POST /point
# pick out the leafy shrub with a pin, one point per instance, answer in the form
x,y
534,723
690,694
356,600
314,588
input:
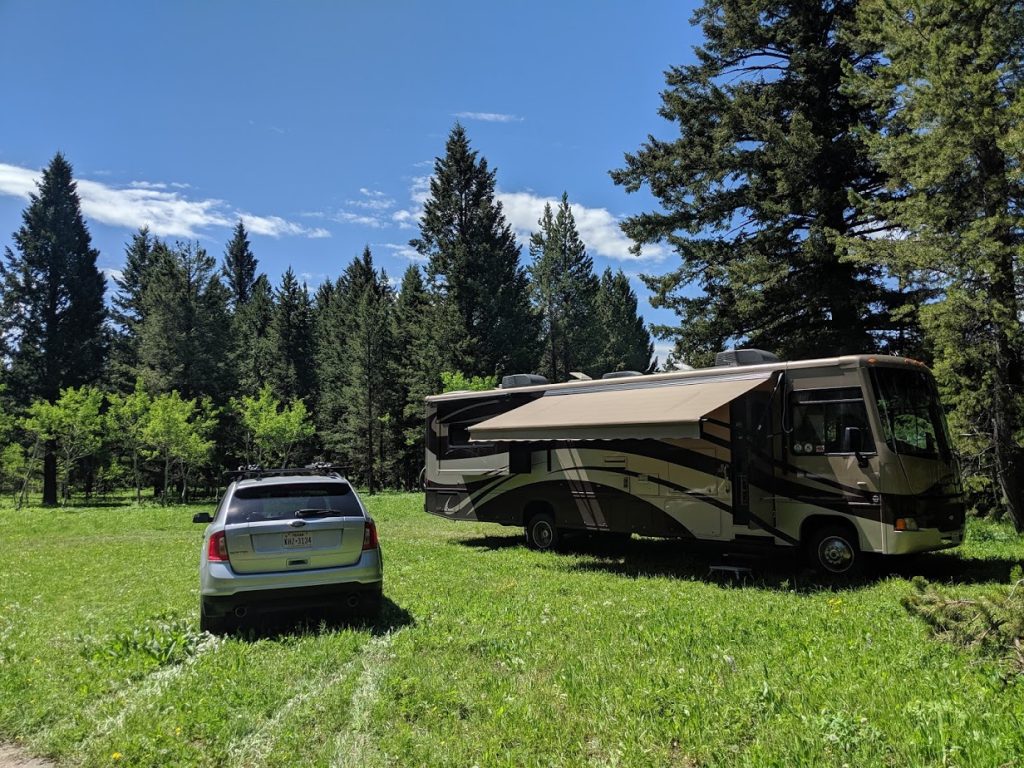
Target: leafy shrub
x,y
163,642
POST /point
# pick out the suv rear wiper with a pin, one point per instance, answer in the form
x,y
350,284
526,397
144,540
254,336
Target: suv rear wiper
x,y
317,512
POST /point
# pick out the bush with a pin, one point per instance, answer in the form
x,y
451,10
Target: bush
x,y
991,623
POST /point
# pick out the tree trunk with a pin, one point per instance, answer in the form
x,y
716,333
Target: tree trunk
x,y
1007,454
167,479
135,476
50,474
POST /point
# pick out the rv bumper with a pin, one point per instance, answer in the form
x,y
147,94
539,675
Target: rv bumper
x,y
907,542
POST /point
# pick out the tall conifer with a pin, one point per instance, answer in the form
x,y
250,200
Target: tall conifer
x,y
473,270
239,267
141,254
757,187
564,290
52,306
419,370
948,93
255,353
291,341
625,341
185,339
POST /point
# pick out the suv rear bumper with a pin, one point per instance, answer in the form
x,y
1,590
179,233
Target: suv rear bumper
x,y
218,580
263,601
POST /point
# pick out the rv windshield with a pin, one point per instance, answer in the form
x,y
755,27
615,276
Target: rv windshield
x,y
913,422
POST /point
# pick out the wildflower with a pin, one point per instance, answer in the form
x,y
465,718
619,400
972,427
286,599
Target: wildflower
x,y
116,756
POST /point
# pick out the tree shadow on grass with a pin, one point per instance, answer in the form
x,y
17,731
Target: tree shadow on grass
x,y
280,625
778,570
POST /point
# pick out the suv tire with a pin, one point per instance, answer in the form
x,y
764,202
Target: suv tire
x,y
215,625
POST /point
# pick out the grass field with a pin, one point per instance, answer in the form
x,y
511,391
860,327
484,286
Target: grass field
x,y
489,654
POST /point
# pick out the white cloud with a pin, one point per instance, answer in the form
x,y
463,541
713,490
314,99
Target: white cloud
x,y
151,204
20,182
406,219
275,226
313,279
489,117
598,227
372,200
419,191
347,217
404,250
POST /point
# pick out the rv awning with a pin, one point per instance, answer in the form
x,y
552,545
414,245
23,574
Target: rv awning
x,y
623,412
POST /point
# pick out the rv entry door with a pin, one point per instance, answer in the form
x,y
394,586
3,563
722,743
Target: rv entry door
x,y
753,467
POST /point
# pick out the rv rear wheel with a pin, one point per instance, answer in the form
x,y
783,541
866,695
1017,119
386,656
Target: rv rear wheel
x,y
833,549
541,532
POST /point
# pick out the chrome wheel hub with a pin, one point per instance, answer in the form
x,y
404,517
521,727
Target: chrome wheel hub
x,y
836,554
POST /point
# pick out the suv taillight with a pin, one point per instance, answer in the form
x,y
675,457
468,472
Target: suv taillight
x,y
217,551
370,536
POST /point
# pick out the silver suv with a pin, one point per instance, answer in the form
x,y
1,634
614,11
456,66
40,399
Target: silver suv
x,y
287,539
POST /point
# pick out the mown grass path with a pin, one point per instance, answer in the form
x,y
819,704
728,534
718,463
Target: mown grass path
x,y
488,654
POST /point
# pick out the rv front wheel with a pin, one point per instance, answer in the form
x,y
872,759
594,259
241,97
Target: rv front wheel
x,y
541,532
834,550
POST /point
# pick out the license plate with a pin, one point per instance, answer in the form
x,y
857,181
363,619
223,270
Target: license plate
x,y
298,540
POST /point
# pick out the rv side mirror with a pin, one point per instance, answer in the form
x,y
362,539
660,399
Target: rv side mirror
x,y
853,440
202,517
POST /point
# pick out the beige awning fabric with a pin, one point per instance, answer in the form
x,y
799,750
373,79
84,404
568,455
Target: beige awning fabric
x,y
660,411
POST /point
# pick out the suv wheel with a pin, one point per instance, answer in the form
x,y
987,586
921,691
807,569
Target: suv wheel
x,y
215,625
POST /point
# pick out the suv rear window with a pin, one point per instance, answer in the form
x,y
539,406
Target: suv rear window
x,y
281,502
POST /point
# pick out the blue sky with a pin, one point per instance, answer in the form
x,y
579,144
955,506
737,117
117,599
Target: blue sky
x,y
318,122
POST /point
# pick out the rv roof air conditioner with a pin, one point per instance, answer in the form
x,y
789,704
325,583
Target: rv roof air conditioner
x,y
621,374
522,380
734,357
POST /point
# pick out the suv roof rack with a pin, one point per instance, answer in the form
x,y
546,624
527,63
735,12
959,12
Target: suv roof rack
x,y
254,471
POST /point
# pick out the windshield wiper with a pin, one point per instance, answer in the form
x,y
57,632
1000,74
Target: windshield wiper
x,y
318,512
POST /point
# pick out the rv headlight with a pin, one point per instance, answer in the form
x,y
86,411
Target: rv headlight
x,y
905,524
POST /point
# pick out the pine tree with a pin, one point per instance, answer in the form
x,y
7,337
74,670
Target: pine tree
x,y
626,343
291,341
564,290
756,188
335,316
417,361
142,253
239,267
255,353
52,312
185,337
369,394
481,291
948,95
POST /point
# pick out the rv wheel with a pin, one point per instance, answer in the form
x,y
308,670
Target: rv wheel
x,y
833,549
541,532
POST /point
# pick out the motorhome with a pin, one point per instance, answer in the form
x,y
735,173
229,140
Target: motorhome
x,y
834,457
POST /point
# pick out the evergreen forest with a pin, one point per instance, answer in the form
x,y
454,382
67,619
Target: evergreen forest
x,y
833,177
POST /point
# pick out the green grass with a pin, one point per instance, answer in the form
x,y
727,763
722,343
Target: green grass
x,y
489,654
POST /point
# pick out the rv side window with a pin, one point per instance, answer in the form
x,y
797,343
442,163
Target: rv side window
x,y
830,421
459,445
458,436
